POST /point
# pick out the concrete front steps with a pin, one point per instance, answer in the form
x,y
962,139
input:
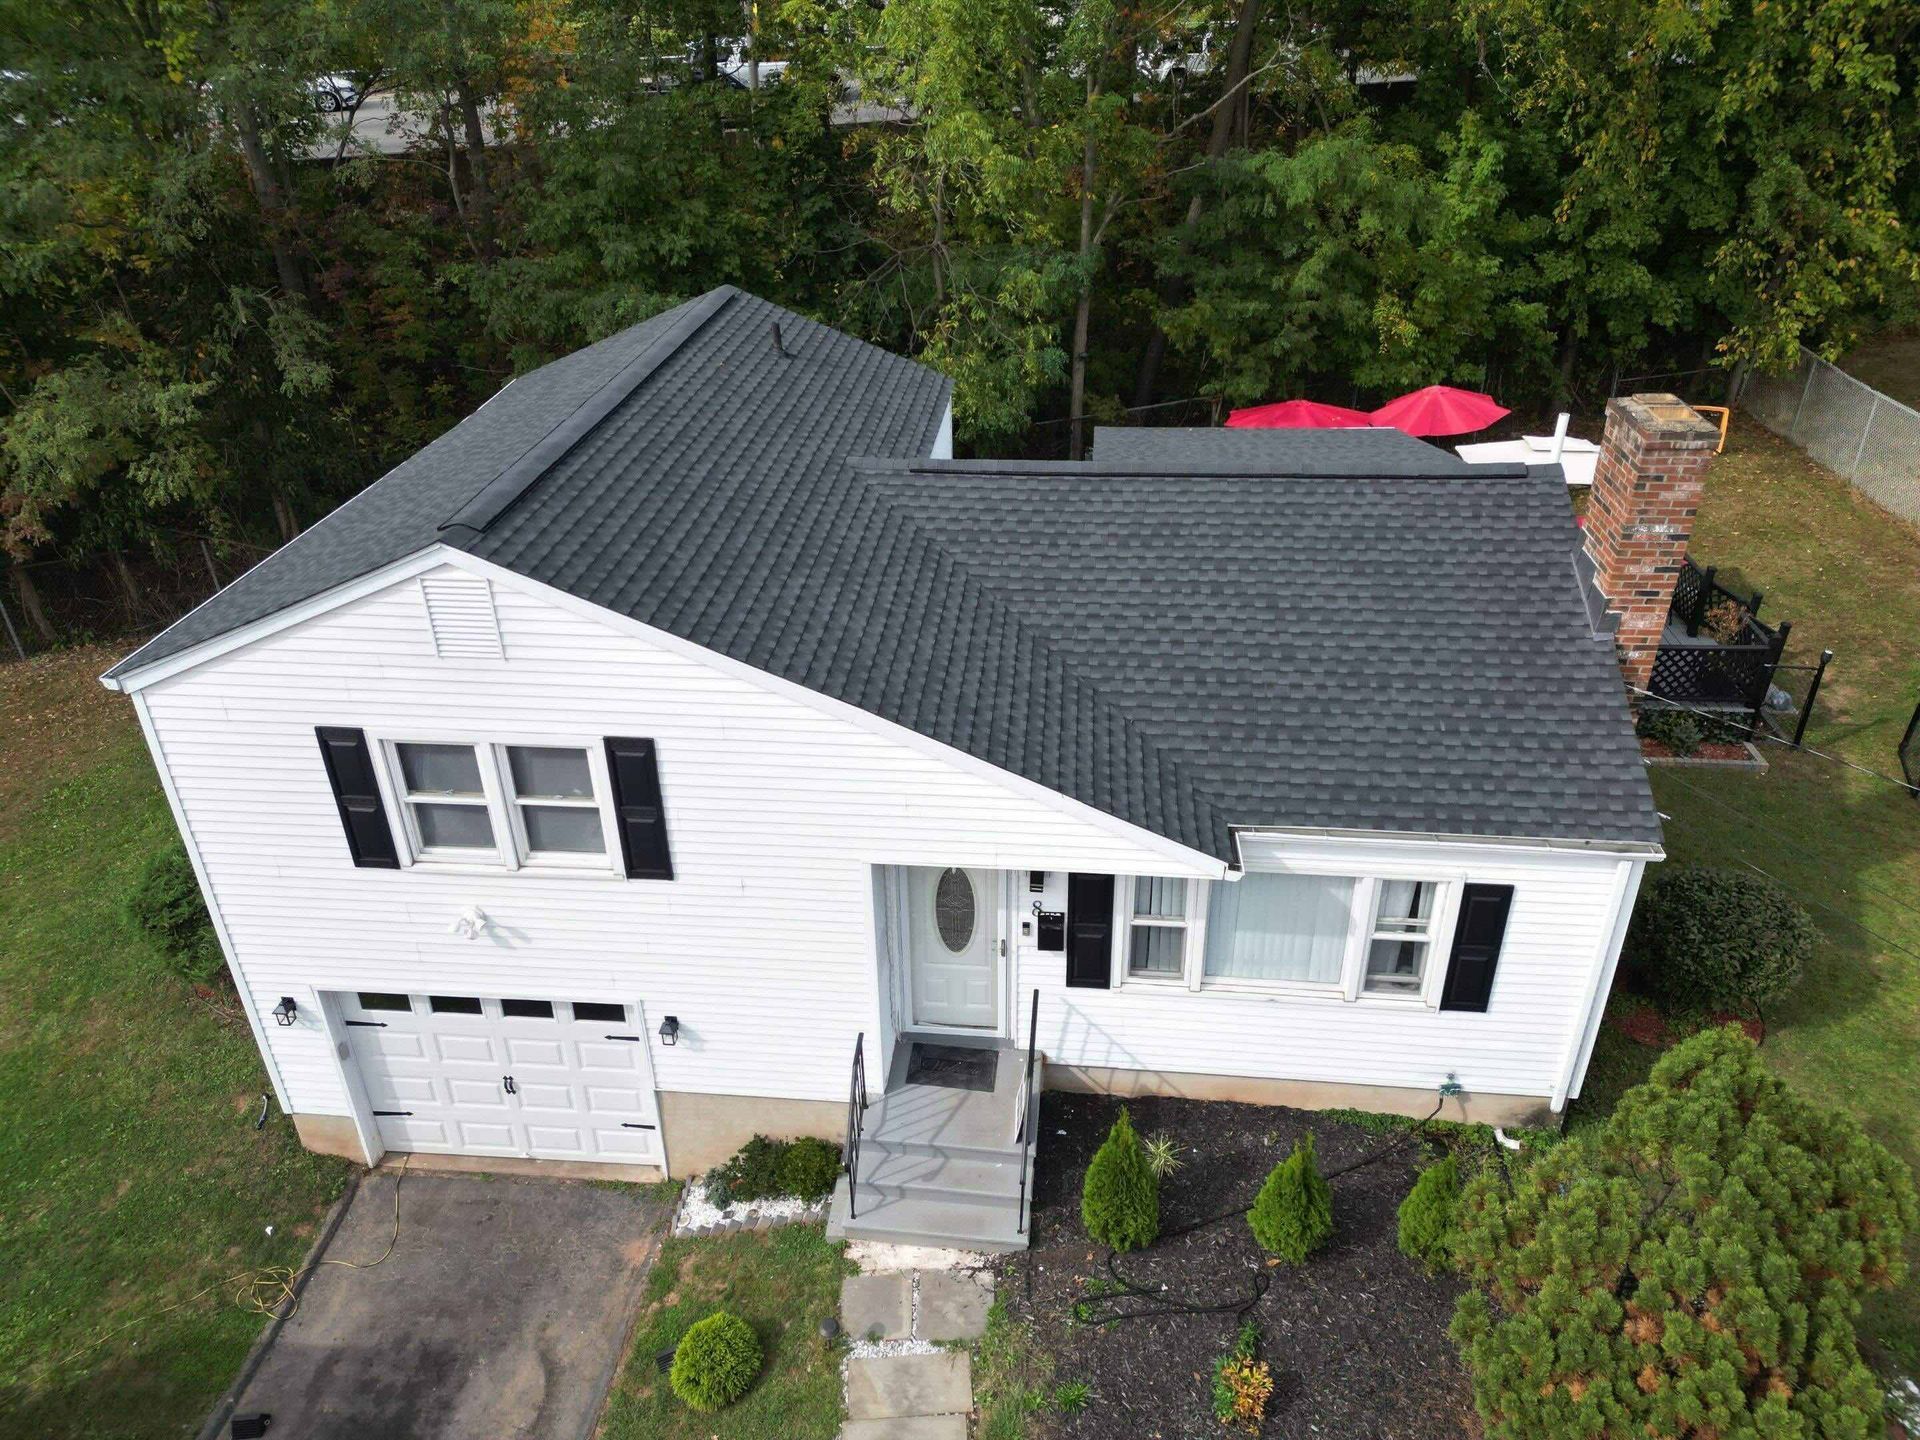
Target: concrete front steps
x,y
940,1166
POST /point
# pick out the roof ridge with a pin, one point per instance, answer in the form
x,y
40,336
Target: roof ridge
x,y
498,495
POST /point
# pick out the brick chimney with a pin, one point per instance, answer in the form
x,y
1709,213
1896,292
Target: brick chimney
x,y
1646,488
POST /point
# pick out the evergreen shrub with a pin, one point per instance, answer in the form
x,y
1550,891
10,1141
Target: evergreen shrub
x,y
1120,1202
1293,1214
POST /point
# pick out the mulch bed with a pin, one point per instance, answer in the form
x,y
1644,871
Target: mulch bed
x,y
1705,750
1357,1337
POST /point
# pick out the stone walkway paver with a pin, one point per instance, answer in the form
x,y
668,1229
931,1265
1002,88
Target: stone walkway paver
x,y
917,1392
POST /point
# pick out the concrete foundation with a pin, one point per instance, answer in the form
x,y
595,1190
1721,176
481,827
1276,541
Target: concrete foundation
x,y
1474,1109
703,1130
422,1163
329,1135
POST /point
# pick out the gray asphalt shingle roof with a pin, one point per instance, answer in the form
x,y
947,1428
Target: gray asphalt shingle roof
x,y
1377,450
1369,645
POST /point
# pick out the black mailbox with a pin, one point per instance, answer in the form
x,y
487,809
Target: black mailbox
x,y
1053,929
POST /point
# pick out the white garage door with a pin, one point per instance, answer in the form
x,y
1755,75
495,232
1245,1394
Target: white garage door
x,y
472,1075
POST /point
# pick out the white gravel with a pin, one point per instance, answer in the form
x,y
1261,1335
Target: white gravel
x,y
696,1211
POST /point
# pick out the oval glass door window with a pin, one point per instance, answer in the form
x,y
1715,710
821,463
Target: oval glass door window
x,y
954,910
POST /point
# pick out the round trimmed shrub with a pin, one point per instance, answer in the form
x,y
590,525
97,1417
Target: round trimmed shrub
x,y
1709,938
716,1362
1293,1215
1429,1213
1120,1202
809,1168
167,906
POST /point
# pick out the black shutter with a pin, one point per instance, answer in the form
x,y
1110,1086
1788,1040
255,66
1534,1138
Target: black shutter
x,y
1090,931
636,803
350,771
1476,947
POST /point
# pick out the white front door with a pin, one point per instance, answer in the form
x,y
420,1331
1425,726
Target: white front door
x,y
473,1075
954,969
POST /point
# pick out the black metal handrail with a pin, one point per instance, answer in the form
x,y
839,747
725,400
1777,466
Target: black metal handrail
x,y
856,1113
1026,1110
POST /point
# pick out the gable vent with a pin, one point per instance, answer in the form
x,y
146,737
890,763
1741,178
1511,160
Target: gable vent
x,y
460,615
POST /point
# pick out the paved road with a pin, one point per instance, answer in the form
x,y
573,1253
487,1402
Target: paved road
x,y
501,1313
380,127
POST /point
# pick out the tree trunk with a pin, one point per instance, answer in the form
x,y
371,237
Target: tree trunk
x,y
129,590
939,242
283,513
1569,358
30,603
272,201
1228,120
479,191
1083,309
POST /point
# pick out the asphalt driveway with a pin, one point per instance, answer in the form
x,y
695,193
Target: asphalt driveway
x,y
502,1311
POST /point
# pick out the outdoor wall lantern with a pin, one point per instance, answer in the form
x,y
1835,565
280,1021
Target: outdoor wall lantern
x,y
284,1012
670,1030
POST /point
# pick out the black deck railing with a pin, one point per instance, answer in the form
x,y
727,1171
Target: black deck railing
x,y
1910,751
1697,591
856,1115
1709,671
1026,1110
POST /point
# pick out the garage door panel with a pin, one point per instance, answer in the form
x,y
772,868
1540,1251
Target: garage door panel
x,y
575,1092
524,1050
607,1055
467,1049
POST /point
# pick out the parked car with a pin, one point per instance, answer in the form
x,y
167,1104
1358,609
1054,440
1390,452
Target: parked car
x,y
333,93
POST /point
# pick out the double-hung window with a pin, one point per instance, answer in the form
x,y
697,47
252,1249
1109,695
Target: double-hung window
x,y
1157,929
557,816
445,798
1400,939
515,805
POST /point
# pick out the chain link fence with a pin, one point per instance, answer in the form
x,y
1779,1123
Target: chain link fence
x,y
1847,426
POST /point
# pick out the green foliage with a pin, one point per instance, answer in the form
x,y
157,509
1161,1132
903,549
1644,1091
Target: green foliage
x,y
1709,938
769,1169
1070,1397
1293,1215
1120,1203
716,1362
1428,1215
1695,1264
1163,1154
809,1168
167,905
1242,1383
1679,731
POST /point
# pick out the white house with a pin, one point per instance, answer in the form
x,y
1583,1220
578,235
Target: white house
x,y
586,789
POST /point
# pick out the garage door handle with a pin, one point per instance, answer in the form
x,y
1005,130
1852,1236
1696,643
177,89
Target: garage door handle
x,y
634,1038
369,1024
393,1112
629,1125
507,1080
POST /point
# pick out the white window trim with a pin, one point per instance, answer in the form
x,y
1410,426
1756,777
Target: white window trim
x,y
510,851
1350,988
1194,924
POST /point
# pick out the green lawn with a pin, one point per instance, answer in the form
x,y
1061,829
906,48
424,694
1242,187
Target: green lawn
x,y
783,1283
134,1184
1848,576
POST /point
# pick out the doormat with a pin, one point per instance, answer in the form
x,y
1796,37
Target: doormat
x,y
957,1067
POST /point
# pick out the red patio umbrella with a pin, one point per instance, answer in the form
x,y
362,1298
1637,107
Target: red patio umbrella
x,y
1298,415
1440,410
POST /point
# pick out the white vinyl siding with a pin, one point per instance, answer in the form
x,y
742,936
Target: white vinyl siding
x,y
1551,960
762,945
